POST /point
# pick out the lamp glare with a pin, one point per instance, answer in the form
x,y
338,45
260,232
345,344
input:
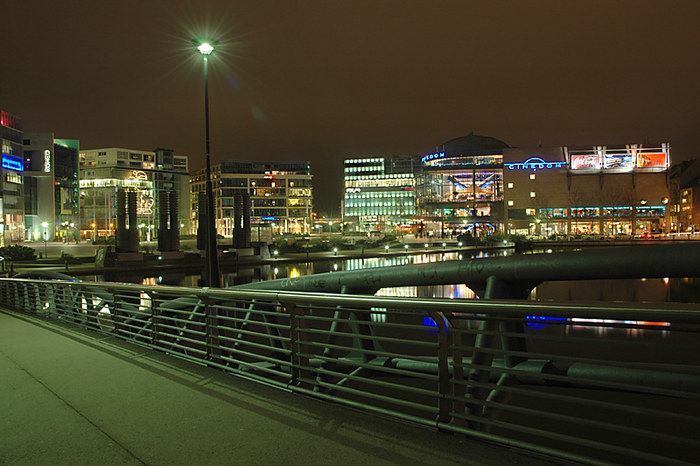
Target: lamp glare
x,y
205,48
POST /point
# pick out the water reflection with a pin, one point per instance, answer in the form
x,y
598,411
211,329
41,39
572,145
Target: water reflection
x,y
631,290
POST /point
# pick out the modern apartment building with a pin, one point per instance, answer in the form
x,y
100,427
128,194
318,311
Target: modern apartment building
x,y
281,195
104,171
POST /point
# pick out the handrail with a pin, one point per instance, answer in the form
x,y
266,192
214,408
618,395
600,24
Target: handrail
x,y
670,312
612,378
521,272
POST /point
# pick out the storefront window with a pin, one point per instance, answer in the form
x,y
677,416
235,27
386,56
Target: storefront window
x,y
585,212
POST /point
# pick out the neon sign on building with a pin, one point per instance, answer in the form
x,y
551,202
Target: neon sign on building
x,y
144,205
47,161
429,157
534,163
12,163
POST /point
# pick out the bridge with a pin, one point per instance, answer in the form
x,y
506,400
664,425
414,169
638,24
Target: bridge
x,y
523,374
71,396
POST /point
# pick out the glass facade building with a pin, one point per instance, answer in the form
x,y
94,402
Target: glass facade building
x,y
380,193
461,188
104,171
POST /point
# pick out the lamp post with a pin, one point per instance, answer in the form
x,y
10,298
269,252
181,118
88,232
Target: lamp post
x,y
212,274
46,237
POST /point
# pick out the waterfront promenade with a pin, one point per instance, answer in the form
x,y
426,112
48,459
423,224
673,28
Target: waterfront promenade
x,y
70,396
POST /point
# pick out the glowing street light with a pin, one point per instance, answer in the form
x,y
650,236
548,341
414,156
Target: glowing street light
x,y
46,237
205,48
212,274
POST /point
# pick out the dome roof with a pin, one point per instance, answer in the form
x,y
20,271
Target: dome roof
x,y
472,144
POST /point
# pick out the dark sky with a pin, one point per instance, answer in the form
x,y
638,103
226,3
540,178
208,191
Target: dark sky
x,y
324,80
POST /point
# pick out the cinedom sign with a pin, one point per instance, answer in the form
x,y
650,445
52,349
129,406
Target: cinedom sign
x,y
534,163
429,157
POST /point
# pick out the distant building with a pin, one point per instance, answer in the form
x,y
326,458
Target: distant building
x,y
379,193
461,187
602,190
103,171
685,197
51,181
281,196
11,179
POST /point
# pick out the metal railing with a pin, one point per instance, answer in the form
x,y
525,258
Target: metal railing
x,y
598,383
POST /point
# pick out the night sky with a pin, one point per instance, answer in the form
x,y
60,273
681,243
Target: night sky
x,y
325,80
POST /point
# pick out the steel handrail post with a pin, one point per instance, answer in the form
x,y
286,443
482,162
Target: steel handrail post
x,y
211,330
445,395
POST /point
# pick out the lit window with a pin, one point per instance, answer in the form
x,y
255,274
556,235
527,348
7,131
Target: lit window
x,y
510,185
532,176
532,193
529,211
510,203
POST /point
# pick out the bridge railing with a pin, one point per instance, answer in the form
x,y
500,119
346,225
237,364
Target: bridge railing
x,y
591,382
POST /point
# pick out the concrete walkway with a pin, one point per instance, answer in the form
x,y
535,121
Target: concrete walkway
x,y
69,396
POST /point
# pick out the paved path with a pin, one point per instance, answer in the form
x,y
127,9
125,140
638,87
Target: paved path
x,y
69,396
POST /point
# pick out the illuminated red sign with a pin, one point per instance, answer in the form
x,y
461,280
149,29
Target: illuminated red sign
x,y
646,160
9,120
584,161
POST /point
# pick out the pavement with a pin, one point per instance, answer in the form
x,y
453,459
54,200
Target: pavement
x,y
71,396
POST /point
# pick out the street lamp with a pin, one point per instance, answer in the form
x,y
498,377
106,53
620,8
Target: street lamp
x,y
212,274
46,237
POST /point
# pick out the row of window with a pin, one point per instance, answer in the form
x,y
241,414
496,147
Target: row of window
x,y
379,194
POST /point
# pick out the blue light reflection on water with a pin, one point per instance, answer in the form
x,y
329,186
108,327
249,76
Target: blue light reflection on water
x,y
652,290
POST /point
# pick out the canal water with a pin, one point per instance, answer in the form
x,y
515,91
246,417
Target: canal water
x,y
686,290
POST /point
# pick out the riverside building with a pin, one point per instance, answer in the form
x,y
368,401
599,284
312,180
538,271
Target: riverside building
x,y
104,171
602,190
11,179
281,196
477,185
379,193
461,188
51,180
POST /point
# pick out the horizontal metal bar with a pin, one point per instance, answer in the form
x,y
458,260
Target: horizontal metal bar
x,y
364,336
249,343
373,396
251,322
367,365
266,336
377,383
672,312
315,344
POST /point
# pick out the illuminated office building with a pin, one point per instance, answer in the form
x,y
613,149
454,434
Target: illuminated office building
x,y
379,193
11,179
281,196
602,191
104,171
50,187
